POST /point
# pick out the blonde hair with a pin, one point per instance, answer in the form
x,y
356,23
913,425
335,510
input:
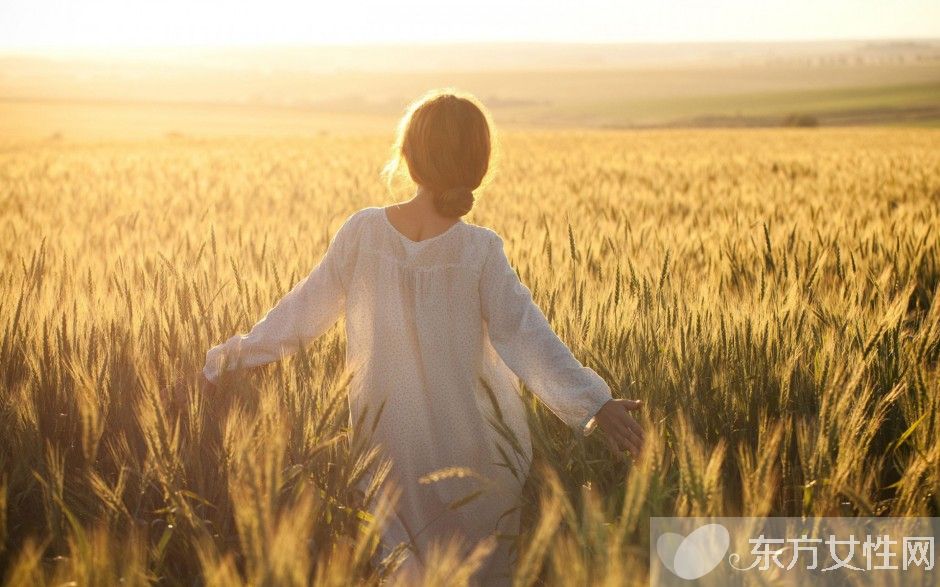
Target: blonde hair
x,y
447,142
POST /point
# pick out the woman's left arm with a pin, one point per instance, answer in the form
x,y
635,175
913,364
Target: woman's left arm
x,y
313,305
522,336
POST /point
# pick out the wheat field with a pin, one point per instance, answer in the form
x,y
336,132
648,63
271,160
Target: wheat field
x,y
771,294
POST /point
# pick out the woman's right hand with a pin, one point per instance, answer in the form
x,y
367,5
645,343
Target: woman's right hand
x,y
205,385
178,397
621,430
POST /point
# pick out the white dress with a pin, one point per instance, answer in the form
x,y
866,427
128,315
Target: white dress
x,y
426,323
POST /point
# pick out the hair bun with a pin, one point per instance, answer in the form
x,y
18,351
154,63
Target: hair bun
x,y
455,201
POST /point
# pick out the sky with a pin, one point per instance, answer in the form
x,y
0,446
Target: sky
x,y
51,24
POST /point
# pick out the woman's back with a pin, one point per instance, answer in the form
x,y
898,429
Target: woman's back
x,y
417,344
437,331
415,336
438,327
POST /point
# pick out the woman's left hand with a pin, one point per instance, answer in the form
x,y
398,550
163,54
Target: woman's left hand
x,y
621,429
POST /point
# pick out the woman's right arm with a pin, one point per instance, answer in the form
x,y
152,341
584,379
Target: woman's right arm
x,y
304,313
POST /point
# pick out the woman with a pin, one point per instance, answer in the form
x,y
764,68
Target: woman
x,y
439,325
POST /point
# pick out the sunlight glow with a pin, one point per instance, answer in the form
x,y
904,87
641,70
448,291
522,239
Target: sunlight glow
x,y
37,24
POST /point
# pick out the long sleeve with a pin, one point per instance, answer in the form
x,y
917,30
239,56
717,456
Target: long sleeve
x,y
313,305
525,341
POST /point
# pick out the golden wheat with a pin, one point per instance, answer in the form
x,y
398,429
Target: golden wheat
x,y
772,295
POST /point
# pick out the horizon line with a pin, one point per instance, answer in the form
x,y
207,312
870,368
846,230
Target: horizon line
x,y
33,49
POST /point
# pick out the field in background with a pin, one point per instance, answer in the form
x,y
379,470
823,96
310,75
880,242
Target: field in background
x,y
773,295
302,91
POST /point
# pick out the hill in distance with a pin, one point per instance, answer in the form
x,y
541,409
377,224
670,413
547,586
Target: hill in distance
x,y
289,90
